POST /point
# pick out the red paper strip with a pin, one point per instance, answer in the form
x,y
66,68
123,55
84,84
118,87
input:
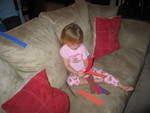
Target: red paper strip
x,y
96,74
91,82
87,71
98,90
90,63
90,97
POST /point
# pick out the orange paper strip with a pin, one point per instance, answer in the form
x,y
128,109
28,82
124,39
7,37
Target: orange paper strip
x,y
96,74
90,97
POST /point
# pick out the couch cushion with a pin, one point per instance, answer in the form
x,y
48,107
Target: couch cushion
x,y
9,81
125,64
101,11
42,51
107,30
77,13
134,34
38,96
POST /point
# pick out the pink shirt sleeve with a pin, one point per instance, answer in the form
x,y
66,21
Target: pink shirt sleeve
x,y
63,52
85,51
75,57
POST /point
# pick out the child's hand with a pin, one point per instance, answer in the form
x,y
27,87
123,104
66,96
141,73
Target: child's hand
x,y
80,74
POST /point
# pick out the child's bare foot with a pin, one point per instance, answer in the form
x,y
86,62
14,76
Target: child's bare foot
x,y
126,88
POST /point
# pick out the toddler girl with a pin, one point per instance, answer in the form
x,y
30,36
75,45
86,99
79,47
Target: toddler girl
x,y
75,58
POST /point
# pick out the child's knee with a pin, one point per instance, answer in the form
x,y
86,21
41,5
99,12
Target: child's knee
x,y
73,80
111,80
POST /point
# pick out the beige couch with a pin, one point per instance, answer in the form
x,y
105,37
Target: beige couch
x,y
17,64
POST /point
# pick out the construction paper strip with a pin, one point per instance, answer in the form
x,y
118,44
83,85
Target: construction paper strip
x,y
90,63
90,97
104,90
98,90
70,89
13,39
96,74
91,82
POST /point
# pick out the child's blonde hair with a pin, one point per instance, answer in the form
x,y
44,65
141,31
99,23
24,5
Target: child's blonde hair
x,y
72,34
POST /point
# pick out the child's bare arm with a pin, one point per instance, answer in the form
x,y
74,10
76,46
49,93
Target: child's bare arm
x,y
86,62
70,69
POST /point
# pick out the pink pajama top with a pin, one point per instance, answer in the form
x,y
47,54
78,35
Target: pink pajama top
x,y
75,57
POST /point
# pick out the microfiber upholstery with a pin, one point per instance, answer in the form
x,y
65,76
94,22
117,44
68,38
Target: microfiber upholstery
x,y
103,12
130,34
76,13
10,81
40,53
123,65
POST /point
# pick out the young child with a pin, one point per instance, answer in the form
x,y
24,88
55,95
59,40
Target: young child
x,y
75,58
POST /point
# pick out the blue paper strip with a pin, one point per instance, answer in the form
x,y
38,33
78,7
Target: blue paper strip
x,y
13,39
103,90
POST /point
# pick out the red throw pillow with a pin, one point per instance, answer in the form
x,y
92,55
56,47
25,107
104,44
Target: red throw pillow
x,y
106,36
37,96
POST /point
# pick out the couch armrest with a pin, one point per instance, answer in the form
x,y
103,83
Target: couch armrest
x,y
134,34
9,81
42,51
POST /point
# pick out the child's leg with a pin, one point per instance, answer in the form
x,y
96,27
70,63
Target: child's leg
x,y
125,87
110,79
74,80
96,78
83,81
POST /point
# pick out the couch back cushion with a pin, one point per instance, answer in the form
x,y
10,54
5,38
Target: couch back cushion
x,y
42,51
76,13
134,34
100,11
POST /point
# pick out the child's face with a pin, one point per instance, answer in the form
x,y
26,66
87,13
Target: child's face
x,y
73,46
